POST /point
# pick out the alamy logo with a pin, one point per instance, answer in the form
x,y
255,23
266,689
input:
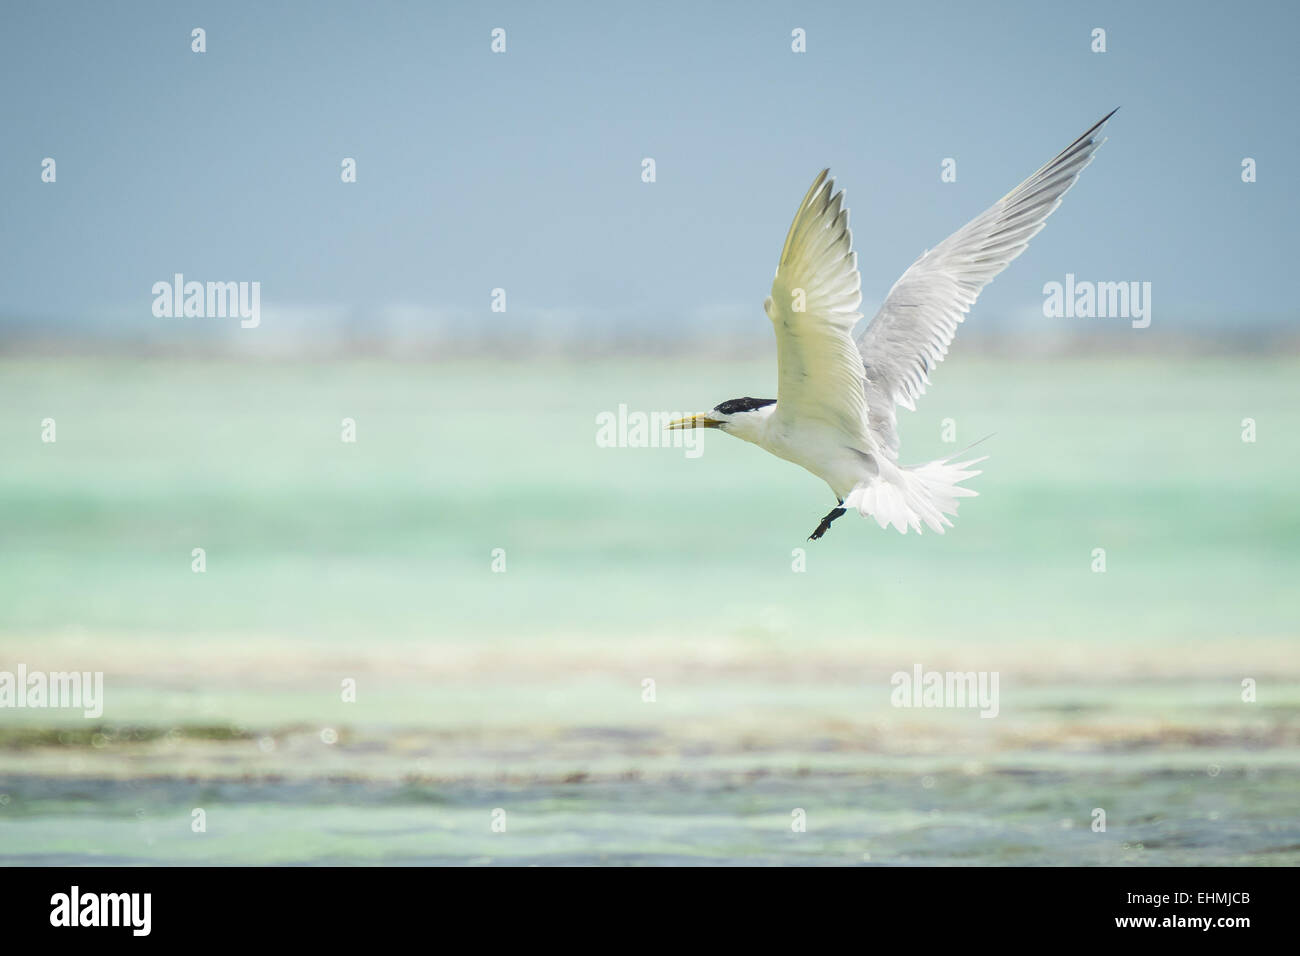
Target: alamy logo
x,y
625,429
56,690
209,300
953,689
1098,300
102,909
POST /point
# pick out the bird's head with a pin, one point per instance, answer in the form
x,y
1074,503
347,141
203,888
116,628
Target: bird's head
x,y
742,417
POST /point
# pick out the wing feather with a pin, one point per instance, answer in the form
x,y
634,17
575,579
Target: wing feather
x,y
911,333
820,373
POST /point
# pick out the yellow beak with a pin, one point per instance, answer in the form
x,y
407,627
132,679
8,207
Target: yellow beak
x,y
695,421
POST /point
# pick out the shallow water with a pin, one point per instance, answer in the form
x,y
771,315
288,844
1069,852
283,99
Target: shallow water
x,y
525,691
945,817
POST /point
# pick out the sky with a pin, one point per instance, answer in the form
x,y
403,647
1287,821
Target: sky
x,y
522,170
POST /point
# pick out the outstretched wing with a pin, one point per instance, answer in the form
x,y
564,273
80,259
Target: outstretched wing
x,y
911,333
813,308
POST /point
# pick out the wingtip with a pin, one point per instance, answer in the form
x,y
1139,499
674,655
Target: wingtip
x,y
1089,135
1102,122
823,185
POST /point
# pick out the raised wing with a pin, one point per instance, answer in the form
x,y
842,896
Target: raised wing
x,y
911,333
813,308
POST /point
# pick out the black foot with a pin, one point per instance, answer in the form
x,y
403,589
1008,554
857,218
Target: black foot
x,y
826,524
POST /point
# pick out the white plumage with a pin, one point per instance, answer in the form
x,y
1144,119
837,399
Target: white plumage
x,y
835,412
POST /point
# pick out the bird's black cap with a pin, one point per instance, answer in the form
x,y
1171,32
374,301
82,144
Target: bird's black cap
x,y
735,405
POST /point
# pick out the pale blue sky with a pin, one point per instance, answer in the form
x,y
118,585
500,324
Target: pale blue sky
x,y
522,170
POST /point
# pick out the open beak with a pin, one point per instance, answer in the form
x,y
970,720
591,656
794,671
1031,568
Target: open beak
x,y
695,421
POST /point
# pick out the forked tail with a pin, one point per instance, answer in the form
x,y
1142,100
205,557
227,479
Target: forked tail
x,y
906,496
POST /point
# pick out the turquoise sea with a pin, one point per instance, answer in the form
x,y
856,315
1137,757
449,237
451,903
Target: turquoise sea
x,y
571,654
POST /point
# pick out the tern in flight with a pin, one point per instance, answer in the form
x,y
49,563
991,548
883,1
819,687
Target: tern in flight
x,y
834,413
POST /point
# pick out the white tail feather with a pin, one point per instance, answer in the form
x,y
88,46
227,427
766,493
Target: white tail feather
x,y
905,497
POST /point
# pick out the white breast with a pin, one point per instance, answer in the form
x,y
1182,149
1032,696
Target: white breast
x,y
822,450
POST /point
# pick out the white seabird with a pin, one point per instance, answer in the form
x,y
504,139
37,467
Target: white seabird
x,y
836,396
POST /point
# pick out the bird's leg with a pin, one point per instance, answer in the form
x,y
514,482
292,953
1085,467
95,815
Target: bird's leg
x,y
826,523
